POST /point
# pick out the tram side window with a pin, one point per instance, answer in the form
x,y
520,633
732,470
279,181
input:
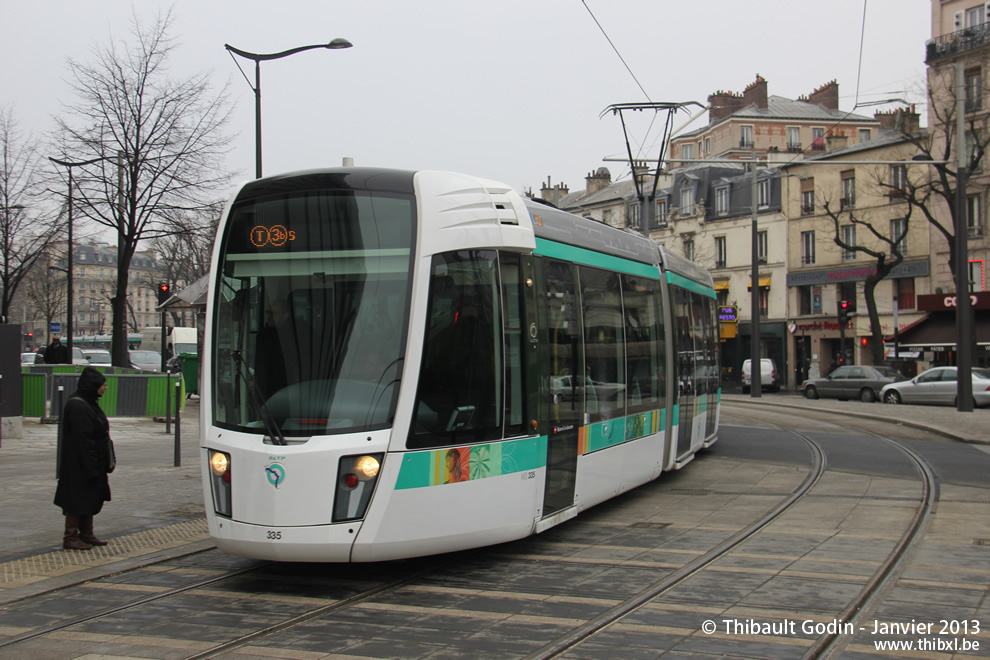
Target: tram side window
x,y
459,394
564,343
645,356
512,297
685,340
604,360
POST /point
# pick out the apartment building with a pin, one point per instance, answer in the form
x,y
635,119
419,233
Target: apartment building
x,y
773,127
960,41
846,199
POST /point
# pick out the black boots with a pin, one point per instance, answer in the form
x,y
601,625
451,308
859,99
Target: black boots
x,y
86,531
71,540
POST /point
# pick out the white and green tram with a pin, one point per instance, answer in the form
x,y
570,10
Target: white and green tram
x,y
402,363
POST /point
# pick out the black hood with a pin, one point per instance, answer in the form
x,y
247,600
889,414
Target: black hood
x,y
90,381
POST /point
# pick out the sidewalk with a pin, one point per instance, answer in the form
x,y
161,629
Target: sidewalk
x,y
156,508
946,421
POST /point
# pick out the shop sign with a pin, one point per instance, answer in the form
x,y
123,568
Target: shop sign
x,y
727,314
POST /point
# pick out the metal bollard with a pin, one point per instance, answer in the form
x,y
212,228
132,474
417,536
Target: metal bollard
x,y
168,404
58,435
177,457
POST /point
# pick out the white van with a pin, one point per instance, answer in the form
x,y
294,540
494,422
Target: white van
x,y
177,340
768,375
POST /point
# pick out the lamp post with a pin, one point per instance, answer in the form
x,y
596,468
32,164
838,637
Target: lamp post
x,y
336,44
68,259
964,314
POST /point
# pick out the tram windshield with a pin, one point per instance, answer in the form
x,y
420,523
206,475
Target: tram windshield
x,y
310,312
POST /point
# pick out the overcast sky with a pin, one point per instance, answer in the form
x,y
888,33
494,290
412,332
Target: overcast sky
x,y
507,89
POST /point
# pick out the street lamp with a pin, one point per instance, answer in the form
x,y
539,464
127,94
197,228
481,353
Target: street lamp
x,y
336,44
68,260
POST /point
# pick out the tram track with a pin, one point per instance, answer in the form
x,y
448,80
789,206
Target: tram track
x,y
423,571
826,645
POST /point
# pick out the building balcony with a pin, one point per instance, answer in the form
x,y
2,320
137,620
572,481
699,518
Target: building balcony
x,y
957,42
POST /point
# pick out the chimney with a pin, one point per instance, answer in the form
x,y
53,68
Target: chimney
x,y
756,93
722,104
836,140
553,194
595,181
826,95
904,120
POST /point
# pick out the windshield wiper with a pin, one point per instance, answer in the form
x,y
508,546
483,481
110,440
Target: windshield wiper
x,y
259,406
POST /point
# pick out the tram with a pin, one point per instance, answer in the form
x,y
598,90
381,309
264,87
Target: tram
x,y
401,363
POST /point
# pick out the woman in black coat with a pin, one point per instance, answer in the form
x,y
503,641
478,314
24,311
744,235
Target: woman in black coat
x,y
87,457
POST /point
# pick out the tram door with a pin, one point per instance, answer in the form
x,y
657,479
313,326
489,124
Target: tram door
x,y
686,367
566,380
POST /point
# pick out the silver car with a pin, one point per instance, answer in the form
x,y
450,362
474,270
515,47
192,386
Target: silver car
x,y
937,386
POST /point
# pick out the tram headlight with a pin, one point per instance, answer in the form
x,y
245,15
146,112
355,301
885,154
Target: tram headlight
x,y
356,479
220,482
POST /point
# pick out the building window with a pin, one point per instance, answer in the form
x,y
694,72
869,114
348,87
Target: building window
x,y
898,236
687,199
764,302
977,275
898,180
818,139
975,16
974,219
634,215
864,135
807,248
804,300
974,89
745,137
720,252
849,238
687,151
763,192
847,291
689,248
708,146
722,200
972,148
793,138
848,199
905,293
808,202
722,297
761,246
662,210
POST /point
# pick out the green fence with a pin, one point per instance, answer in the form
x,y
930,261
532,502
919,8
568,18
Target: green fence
x,y
129,393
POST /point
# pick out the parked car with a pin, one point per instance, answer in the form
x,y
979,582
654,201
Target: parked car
x,y
768,375
28,359
938,386
98,356
854,381
146,360
78,357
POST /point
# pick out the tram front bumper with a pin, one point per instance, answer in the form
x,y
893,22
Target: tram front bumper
x,y
316,543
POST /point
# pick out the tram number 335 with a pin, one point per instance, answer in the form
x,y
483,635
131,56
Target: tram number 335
x,y
273,535
526,476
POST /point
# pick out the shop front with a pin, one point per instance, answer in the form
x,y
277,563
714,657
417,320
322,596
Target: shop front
x,y
932,340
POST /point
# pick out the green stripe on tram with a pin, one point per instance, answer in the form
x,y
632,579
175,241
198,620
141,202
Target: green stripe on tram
x,y
690,285
578,255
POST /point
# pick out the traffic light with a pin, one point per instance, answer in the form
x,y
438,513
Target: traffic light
x,y
844,309
164,292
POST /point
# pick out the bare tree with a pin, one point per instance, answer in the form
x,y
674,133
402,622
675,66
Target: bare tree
x,y
935,187
47,294
887,254
25,235
160,141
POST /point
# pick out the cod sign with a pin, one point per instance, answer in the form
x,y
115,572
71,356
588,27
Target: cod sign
x,y
727,314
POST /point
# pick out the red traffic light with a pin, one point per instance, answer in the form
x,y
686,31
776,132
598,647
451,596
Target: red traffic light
x,y
863,341
844,304
163,292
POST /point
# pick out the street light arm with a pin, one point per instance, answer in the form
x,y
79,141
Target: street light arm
x,y
257,57
79,164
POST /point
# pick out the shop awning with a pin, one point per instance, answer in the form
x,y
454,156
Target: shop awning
x,y
938,330
721,286
764,284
